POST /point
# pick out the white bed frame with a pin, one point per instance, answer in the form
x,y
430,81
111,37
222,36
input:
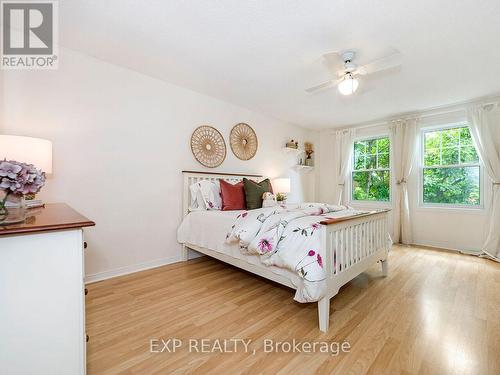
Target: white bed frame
x,y
356,242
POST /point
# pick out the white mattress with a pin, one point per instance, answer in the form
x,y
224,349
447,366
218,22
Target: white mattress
x,y
208,229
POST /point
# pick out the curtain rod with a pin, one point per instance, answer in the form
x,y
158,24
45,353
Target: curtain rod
x,y
436,111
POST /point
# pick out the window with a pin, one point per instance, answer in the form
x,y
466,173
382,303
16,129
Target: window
x,y
451,172
371,174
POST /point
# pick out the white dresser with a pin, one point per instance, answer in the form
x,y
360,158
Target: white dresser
x,y
42,299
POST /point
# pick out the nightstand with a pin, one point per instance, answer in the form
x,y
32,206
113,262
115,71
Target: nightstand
x,y
42,311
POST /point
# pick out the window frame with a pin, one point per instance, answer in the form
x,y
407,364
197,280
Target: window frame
x,y
422,167
367,202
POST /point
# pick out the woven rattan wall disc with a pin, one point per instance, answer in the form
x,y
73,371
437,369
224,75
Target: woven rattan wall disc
x,y
208,146
243,141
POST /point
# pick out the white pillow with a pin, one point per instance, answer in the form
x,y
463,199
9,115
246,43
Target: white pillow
x,y
197,203
210,191
205,195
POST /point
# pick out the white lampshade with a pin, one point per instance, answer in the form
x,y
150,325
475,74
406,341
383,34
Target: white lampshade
x,y
27,150
348,85
281,185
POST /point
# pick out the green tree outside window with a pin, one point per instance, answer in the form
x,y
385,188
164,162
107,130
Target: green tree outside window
x,y
451,172
371,177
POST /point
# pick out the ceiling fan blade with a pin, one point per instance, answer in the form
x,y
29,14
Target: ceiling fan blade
x,y
333,62
333,56
388,62
323,85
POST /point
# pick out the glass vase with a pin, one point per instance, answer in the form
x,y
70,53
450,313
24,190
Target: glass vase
x,y
12,209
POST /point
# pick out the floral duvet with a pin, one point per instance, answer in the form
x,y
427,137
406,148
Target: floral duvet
x,y
289,237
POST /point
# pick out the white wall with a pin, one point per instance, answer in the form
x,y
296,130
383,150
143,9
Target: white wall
x,y
446,228
121,140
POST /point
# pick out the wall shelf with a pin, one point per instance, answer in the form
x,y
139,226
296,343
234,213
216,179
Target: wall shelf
x,y
295,151
303,168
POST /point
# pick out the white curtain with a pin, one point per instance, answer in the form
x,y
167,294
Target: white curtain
x,y
482,134
404,138
344,145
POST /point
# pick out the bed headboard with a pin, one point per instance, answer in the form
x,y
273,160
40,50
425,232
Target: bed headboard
x,y
190,177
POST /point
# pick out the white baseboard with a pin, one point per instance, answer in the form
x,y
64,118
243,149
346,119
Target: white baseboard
x,y
130,269
448,246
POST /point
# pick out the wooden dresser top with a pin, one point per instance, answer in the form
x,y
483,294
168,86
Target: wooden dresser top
x,y
54,216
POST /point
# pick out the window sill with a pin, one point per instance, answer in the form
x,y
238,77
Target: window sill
x,y
480,210
370,204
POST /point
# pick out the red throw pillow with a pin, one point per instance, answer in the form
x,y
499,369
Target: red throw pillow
x,y
233,196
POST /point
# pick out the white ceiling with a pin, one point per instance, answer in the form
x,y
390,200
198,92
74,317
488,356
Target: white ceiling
x,y
263,54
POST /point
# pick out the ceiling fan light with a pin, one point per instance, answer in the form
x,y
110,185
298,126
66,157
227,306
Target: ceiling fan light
x,y
348,85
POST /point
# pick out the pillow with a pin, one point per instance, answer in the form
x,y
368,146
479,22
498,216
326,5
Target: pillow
x,y
269,200
233,196
205,195
197,203
254,192
210,191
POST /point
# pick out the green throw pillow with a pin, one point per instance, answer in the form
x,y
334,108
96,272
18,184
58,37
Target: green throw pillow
x,y
254,192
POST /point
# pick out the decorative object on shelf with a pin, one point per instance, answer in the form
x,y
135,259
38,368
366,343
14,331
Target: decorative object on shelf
x,y
308,149
243,141
17,180
208,146
282,188
292,144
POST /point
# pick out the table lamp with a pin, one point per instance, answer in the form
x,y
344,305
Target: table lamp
x,y
27,150
281,187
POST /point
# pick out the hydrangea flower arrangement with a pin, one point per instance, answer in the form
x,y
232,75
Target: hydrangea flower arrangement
x,y
18,179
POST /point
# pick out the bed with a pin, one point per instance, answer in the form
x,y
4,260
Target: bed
x,y
350,241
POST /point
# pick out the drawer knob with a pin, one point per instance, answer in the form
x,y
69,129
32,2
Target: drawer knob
x,y
86,291
85,245
87,338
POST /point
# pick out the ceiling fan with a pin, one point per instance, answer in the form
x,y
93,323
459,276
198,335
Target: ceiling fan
x,y
348,80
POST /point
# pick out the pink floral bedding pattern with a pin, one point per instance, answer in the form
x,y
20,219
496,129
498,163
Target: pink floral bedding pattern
x,y
289,237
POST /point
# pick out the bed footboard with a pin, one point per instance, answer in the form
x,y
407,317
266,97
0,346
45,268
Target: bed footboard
x,y
352,245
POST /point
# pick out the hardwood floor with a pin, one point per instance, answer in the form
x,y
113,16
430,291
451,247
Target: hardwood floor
x,y
437,313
